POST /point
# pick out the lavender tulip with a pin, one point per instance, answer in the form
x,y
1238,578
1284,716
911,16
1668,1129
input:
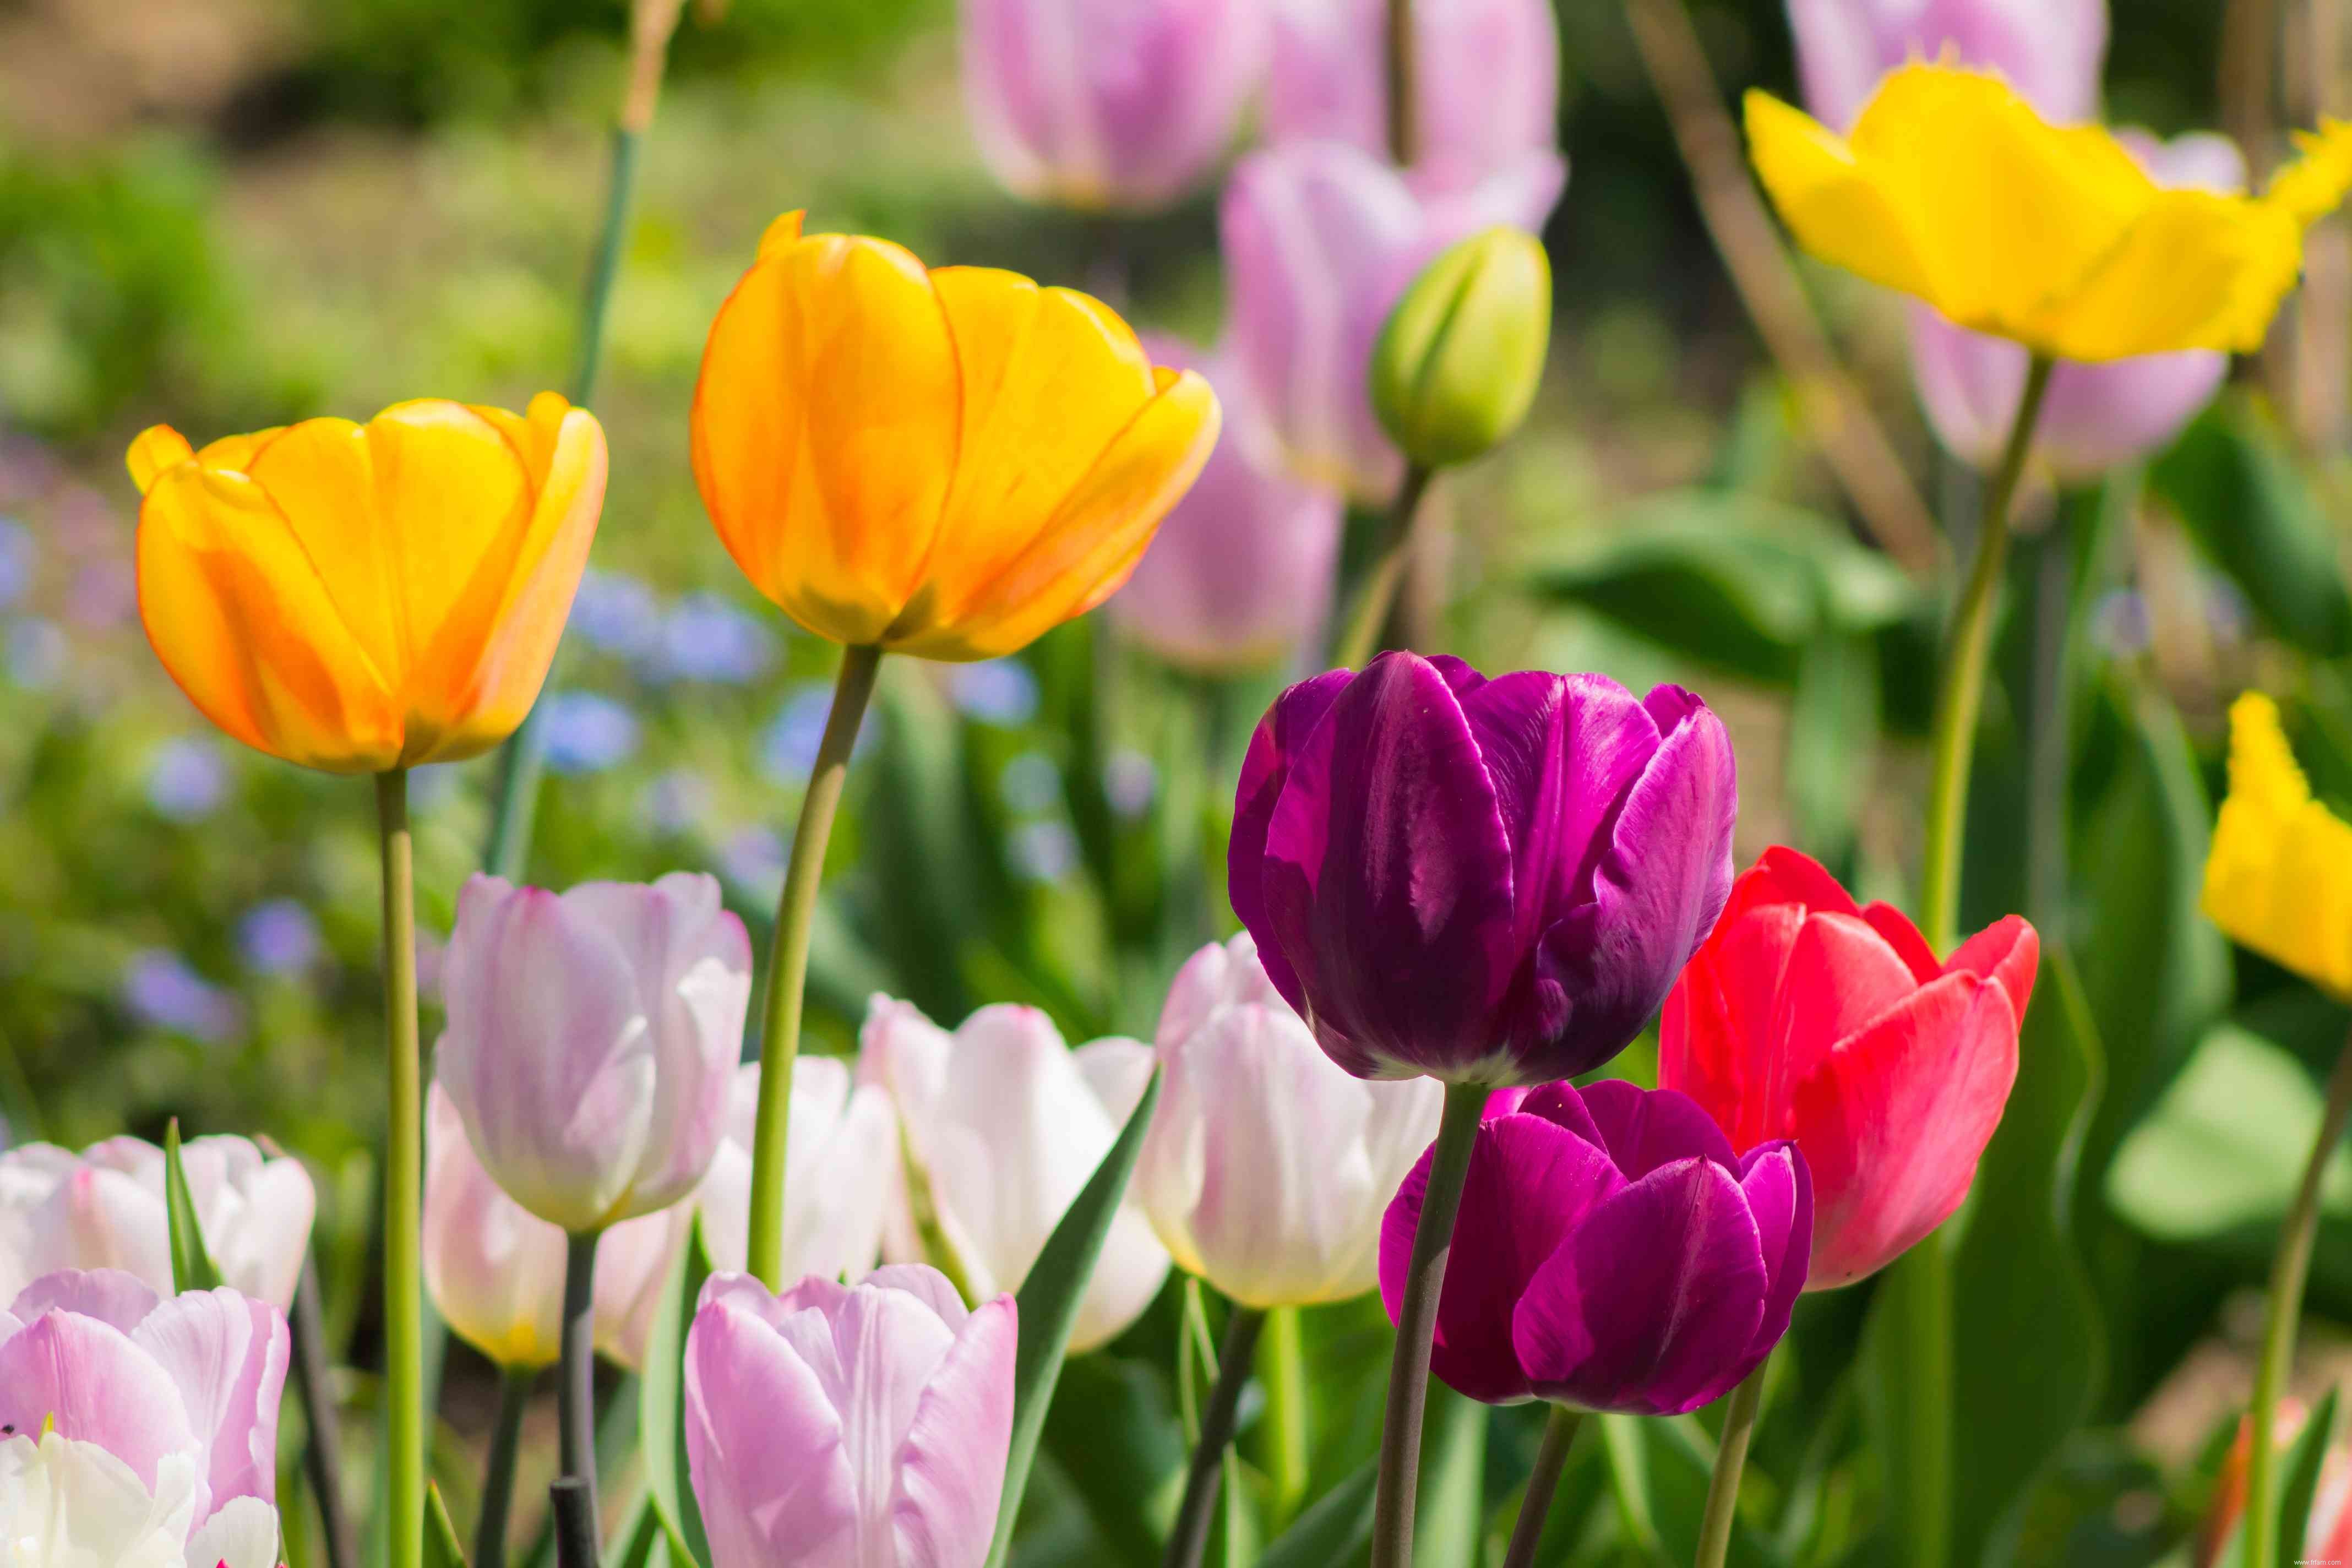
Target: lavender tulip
x,y
1612,1253
103,1209
1320,239
1488,882
2050,50
182,1392
1121,104
1485,81
1241,571
2094,416
865,1424
1266,1169
592,1040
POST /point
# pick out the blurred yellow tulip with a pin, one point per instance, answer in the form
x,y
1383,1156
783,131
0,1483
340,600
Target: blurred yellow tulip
x,y
943,463
360,597
1954,190
2279,878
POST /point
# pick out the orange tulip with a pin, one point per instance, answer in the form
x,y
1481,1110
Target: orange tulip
x,y
943,463
361,597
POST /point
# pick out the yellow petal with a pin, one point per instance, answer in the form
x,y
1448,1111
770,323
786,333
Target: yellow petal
x,y
1086,549
781,235
2197,270
2314,184
155,449
2279,878
1834,208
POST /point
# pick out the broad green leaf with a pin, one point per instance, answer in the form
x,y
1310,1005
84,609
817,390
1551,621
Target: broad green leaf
x,y
1450,1517
661,1403
1833,740
441,1548
1623,1442
1110,1433
192,1266
1048,1302
1335,1529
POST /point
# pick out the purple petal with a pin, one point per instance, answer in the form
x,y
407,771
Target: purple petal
x,y
117,1298
100,1387
951,1468
1264,769
763,1445
227,1354
1779,1191
1644,1129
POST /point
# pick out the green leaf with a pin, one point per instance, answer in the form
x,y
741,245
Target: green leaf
x,y
1832,740
1110,1431
1622,1440
1450,1522
1048,1302
661,1403
2028,1346
441,1548
2304,1462
192,1266
1335,1529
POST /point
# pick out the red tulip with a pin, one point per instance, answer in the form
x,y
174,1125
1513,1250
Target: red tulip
x,y
1803,1016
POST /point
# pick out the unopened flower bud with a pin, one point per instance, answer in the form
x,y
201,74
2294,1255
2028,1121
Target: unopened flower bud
x,y
1457,365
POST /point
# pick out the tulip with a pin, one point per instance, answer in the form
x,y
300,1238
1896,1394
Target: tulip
x,y
593,1040
1266,1169
1488,882
1241,572
2279,877
1008,1125
75,1505
1320,240
2327,1530
2049,50
1806,1017
1113,105
2094,417
945,463
364,598
1614,1253
158,1382
1954,190
836,1423
1457,363
103,1209
495,1271
1485,77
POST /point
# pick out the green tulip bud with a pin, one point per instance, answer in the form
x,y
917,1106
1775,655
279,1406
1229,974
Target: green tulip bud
x,y
1457,363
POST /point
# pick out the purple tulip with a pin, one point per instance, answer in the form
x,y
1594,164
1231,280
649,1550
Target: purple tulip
x,y
2050,50
1320,239
1612,1253
1488,882
1241,571
835,1423
1120,104
1485,81
2094,416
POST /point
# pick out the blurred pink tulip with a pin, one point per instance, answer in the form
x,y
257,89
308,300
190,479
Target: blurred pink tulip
x,y
103,1209
593,1040
1485,81
1118,104
2094,416
1009,1124
1268,1168
865,1424
2050,50
1320,239
1241,571
184,1392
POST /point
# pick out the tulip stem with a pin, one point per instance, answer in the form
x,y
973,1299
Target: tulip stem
x,y
403,1285
1361,636
499,1476
1424,1281
1190,1538
1403,127
1730,1460
576,1394
321,1438
780,1035
2288,1270
1552,1458
1283,1363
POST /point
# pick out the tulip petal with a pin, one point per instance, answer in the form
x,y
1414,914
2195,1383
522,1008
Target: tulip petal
x,y
495,1271
154,452
100,1387
227,1353
1265,768
2006,952
243,1534
1641,1130
120,1300
2279,876
1779,1186
949,1467
764,1446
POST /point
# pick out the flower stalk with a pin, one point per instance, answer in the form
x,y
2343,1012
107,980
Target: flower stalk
x,y
576,1396
1360,636
1730,1461
403,1180
499,1474
1189,1540
1552,1458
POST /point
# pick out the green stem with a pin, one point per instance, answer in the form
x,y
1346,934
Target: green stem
x,y
1730,1459
1190,1538
1552,1458
403,1285
1424,1281
2288,1271
1282,1368
1404,132
576,1394
322,1435
779,1036
499,1475
1360,636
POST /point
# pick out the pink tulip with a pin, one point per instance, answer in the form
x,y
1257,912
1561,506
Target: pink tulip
x,y
183,1391
1118,104
840,1425
1485,81
2094,417
2050,50
103,1209
1320,239
592,1040
1241,571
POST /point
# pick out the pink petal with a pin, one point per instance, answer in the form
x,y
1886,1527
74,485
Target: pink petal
x,y
951,1466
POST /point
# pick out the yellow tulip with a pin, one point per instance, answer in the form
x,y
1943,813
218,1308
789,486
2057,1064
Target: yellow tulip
x,y
359,597
1954,190
943,463
2279,878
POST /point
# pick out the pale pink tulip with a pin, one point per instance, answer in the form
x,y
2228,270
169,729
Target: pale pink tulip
x,y
79,1506
2050,50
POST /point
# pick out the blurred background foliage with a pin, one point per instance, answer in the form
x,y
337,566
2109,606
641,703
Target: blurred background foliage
x,y
235,212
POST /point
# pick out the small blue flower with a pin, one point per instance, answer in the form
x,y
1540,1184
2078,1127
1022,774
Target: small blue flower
x,y
1030,784
17,557
676,801
615,614
1130,784
588,733
1043,851
163,992
186,779
788,746
753,859
707,638
995,691
2120,623
37,652
279,937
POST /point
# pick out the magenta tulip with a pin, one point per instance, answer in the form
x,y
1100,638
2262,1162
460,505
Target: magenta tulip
x,y
2051,50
